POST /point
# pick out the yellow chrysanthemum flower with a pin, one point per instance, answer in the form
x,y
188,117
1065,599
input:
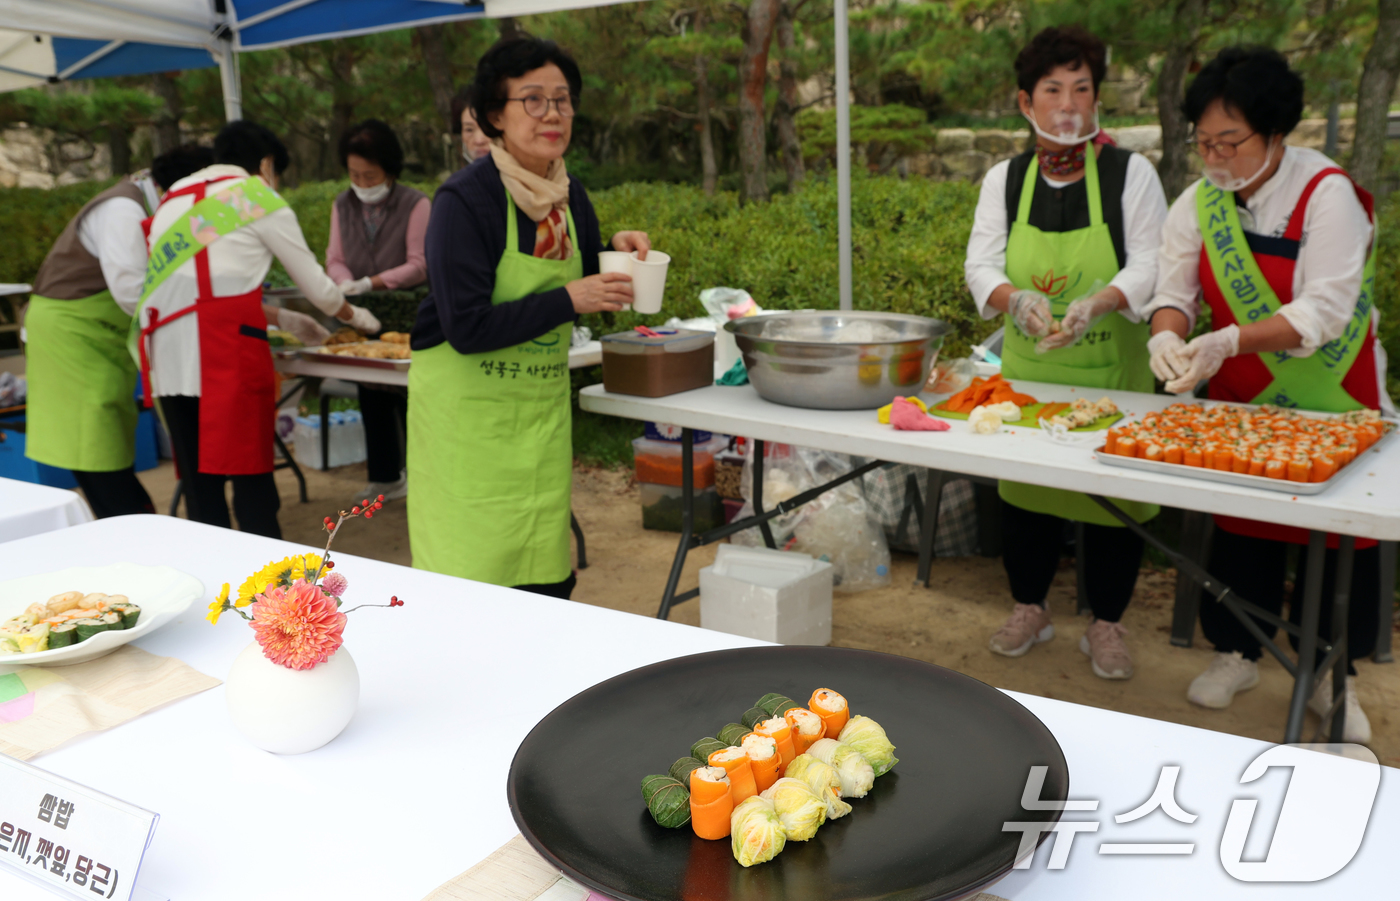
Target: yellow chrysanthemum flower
x,y
280,572
217,606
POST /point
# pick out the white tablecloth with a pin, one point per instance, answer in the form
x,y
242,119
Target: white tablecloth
x,y
413,792
27,509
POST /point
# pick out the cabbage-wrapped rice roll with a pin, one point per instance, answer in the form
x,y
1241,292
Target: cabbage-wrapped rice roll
x,y
756,832
823,780
856,773
869,738
801,810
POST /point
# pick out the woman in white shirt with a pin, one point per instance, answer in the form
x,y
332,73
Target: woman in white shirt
x,y
1278,241
200,331
1064,246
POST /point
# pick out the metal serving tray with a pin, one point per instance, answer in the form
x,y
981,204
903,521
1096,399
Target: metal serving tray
x,y
1238,478
321,355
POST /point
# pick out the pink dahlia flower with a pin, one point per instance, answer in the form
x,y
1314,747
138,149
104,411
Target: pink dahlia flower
x,y
335,584
298,626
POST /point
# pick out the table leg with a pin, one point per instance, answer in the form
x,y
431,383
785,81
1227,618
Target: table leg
x,y
928,527
578,536
758,494
1307,639
668,597
1387,605
325,433
1341,601
290,463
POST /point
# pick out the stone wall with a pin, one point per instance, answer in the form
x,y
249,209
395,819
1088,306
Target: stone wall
x,y
33,158
961,154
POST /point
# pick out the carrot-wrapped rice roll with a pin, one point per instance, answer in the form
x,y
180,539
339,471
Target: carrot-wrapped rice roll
x,y
807,727
763,755
1126,446
1193,457
735,762
832,708
1276,468
710,802
1323,466
1299,469
777,728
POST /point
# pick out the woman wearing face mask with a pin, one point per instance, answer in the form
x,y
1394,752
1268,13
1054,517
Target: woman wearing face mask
x,y
475,143
1278,240
513,259
1064,246
376,244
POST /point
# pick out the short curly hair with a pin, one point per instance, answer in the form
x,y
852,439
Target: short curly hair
x,y
1253,81
247,144
512,58
1069,46
375,141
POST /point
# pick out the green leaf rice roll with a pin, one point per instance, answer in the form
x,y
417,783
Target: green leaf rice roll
x,y
706,746
680,770
733,733
667,800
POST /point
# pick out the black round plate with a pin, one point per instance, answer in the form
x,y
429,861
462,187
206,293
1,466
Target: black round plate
x,y
930,829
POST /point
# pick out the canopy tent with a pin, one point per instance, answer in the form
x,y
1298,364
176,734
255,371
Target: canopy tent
x,y
47,41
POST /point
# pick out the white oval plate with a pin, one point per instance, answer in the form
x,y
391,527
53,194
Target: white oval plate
x,y
161,592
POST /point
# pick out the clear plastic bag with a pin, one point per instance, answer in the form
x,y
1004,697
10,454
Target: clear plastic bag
x,y
951,376
838,526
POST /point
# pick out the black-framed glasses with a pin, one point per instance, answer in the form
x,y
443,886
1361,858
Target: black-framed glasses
x,y
1224,149
537,105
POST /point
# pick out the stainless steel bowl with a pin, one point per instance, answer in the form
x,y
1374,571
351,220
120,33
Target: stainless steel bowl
x,y
827,360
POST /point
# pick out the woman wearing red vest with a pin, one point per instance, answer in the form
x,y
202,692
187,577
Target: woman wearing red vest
x,y
1278,241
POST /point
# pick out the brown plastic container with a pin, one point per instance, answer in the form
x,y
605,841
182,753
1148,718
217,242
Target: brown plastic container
x,y
675,360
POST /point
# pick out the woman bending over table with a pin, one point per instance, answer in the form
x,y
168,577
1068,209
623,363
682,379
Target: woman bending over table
x,y
1067,234
1278,240
512,249
376,244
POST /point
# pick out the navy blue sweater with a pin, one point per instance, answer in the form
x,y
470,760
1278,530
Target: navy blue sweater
x,y
466,239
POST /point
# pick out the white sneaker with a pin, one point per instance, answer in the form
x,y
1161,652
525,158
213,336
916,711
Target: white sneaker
x,y
1357,728
1227,674
392,491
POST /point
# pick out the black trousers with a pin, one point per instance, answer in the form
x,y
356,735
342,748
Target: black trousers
x,y
385,412
255,498
1255,569
560,590
1031,548
114,493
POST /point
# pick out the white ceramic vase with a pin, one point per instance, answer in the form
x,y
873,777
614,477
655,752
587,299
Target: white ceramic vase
x,y
289,711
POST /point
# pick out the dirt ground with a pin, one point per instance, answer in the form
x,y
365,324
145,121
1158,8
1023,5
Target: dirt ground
x,y
947,624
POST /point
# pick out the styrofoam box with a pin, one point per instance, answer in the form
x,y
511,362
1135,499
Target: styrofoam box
x,y
770,595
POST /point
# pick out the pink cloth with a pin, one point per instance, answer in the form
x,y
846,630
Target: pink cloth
x,y
413,272
906,417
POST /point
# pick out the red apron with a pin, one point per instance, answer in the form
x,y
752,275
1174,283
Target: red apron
x,y
1244,376
237,383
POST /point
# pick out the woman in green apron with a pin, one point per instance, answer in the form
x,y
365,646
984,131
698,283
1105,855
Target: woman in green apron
x,y
1064,246
512,252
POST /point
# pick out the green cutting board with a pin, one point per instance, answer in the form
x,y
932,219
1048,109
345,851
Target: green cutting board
x,y
1030,417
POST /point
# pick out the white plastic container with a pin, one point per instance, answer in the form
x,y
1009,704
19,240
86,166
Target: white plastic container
x,y
771,595
347,439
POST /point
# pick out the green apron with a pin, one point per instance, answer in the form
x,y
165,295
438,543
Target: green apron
x,y
490,447
1112,354
81,414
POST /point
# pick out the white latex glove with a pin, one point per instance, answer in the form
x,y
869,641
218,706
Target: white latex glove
x,y
1030,310
1079,318
1169,360
307,330
357,286
363,321
1206,355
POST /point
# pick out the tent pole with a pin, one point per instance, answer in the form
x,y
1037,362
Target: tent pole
x,y
228,76
843,150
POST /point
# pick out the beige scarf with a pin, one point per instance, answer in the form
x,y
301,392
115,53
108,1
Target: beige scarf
x,y
533,194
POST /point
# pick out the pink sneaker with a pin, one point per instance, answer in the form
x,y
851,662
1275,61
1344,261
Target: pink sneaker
x,y
1103,642
1027,625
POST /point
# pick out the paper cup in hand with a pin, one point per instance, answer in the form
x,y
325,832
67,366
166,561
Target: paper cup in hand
x,y
649,281
615,261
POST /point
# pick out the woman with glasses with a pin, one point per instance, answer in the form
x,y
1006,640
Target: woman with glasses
x,y
1278,240
1064,247
513,246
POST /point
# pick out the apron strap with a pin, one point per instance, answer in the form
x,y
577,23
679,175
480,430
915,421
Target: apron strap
x,y
1091,184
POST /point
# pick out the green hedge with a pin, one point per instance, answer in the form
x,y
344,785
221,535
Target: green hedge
x,y
910,237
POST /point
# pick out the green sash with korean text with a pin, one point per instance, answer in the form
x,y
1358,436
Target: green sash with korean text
x,y
1313,382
